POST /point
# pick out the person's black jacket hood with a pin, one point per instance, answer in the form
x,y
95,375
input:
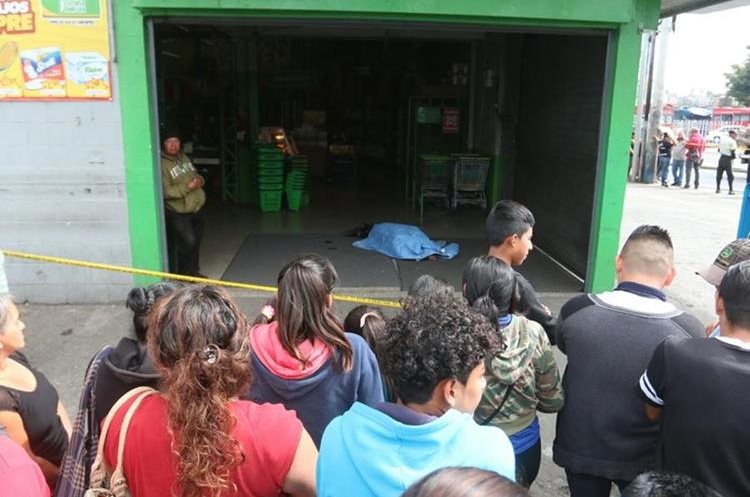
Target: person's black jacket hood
x,y
127,366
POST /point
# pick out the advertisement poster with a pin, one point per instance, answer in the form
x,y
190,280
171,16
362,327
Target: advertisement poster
x,y
54,50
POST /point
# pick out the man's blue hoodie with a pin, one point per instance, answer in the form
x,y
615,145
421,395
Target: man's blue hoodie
x,y
367,453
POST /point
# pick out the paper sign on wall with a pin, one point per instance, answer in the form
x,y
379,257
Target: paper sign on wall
x,y
54,50
451,120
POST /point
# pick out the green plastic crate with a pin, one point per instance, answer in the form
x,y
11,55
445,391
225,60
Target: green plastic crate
x,y
270,201
271,186
294,199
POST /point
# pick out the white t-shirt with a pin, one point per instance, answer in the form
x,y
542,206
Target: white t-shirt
x,y
726,145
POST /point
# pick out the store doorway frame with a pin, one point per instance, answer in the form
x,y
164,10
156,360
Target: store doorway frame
x,y
140,125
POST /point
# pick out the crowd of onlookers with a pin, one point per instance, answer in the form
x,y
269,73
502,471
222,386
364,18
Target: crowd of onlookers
x,y
685,155
437,399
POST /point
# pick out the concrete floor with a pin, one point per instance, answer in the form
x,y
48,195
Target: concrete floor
x,y
61,339
700,222
335,208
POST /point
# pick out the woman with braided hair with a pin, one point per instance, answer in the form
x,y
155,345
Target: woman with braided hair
x,y
196,439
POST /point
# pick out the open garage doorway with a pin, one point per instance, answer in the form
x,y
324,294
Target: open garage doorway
x,y
369,113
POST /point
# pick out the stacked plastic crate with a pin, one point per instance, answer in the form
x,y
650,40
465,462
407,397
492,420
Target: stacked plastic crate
x,y
297,192
268,177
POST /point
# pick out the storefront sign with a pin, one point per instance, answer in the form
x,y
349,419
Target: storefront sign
x,y
54,50
428,115
451,120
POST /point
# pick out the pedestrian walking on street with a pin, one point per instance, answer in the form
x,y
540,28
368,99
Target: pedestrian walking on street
x,y
665,154
695,145
728,152
679,154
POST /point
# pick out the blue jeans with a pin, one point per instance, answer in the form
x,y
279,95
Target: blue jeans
x,y
693,165
583,485
663,170
677,166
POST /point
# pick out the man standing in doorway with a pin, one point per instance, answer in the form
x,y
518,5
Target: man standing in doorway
x,y
695,146
183,198
727,151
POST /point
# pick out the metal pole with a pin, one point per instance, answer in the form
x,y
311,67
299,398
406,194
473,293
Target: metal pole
x,y
641,118
657,94
473,86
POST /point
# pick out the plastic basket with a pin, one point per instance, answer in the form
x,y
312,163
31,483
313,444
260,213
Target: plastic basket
x,y
296,180
270,201
294,199
269,175
270,164
270,188
471,175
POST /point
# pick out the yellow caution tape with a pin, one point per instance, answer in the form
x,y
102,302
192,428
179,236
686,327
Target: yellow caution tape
x,y
181,277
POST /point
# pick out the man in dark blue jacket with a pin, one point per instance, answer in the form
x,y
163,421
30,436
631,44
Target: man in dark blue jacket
x,y
603,435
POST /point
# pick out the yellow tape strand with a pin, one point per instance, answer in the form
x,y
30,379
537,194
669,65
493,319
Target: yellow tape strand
x,y
181,277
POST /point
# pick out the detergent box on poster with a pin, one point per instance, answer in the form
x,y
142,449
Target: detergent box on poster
x,y
87,73
43,72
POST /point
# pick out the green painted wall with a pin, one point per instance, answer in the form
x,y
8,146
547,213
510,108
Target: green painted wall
x,y
559,124
614,150
138,139
612,178
624,17
609,11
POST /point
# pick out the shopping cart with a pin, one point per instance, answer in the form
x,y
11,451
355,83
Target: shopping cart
x,y
435,180
469,180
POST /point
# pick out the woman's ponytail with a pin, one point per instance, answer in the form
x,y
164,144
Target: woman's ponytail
x,y
485,306
198,339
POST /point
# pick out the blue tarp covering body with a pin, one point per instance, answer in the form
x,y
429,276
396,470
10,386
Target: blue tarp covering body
x,y
402,241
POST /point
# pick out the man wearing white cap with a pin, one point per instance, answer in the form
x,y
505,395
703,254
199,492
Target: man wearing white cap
x,y
734,253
